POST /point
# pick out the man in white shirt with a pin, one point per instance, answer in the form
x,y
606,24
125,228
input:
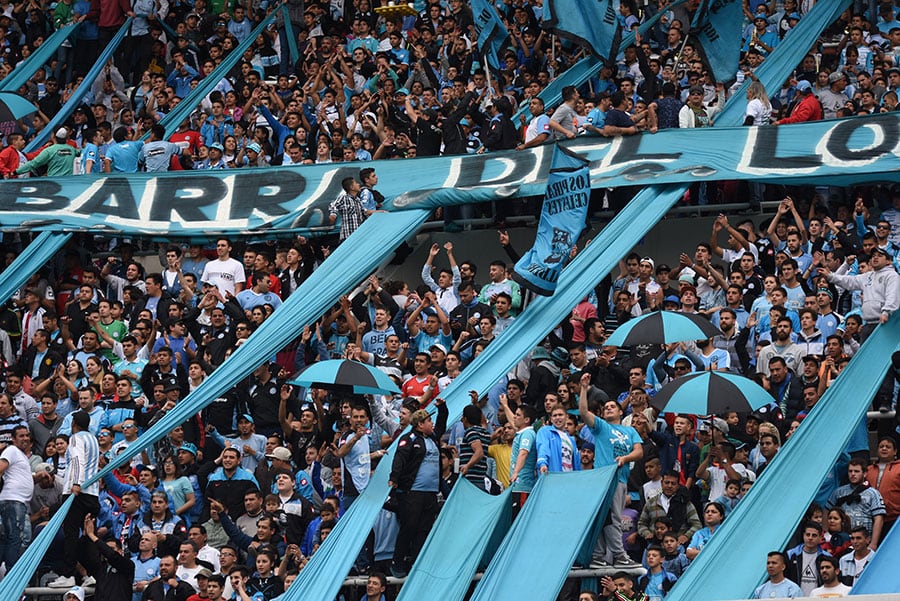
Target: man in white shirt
x,y
830,574
224,273
18,487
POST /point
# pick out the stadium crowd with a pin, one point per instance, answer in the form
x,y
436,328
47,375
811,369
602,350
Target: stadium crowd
x,y
232,503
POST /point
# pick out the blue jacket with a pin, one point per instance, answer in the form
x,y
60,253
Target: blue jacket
x,y
549,450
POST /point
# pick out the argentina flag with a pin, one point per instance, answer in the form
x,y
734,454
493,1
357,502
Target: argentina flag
x,y
563,218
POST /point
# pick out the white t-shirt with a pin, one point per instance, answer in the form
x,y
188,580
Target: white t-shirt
x,y
18,484
224,274
759,111
841,590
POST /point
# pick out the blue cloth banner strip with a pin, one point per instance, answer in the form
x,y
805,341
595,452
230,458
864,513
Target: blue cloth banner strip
x,y
563,218
790,50
594,24
457,541
80,92
790,482
547,521
880,575
16,580
290,34
719,32
181,112
42,249
40,57
491,32
580,72
297,197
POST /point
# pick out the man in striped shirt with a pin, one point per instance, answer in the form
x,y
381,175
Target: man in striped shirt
x,y
82,464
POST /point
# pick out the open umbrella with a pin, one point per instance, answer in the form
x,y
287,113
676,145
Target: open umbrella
x,y
663,327
711,392
13,107
344,376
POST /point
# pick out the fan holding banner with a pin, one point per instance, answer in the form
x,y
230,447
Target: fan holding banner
x,y
563,218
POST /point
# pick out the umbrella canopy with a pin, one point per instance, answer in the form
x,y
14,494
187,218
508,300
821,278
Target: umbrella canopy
x,y
710,392
344,376
663,327
13,107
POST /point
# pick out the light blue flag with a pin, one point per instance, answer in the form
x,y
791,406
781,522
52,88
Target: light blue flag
x,y
563,218
718,26
591,23
491,32
43,248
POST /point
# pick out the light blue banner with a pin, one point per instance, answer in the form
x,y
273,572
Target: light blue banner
x,y
205,203
490,31
593,23
40,57
563,218
719,24
534,560
80,92
459,538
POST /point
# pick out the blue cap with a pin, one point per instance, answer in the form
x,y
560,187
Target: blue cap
x,y
403,91
672,299
246,416
794,16
464,122
804,86
217,146
189,447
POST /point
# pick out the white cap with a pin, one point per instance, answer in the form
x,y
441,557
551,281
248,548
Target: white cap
x,y
62,132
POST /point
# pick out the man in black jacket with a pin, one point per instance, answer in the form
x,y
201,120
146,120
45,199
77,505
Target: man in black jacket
x,y
107,563
415,476
167,587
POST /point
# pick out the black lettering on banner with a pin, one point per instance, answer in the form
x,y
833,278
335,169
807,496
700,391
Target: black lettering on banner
x,y
32,194
316,208
839,138
629,151
472,169
112,189
609,15
764,154
168,198
248,192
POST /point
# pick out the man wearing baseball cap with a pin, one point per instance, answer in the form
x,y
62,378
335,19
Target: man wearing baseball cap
x,y
807,108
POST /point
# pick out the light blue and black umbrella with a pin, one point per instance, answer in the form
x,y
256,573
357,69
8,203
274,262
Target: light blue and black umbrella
x,y
711,392
13,107
662,327
345,377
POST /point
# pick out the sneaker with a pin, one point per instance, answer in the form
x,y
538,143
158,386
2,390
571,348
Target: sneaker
x,y
62,582
88,581
398,572
598,563
625,562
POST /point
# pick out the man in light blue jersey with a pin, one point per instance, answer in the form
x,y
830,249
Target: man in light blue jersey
x,y
122,157
82,464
